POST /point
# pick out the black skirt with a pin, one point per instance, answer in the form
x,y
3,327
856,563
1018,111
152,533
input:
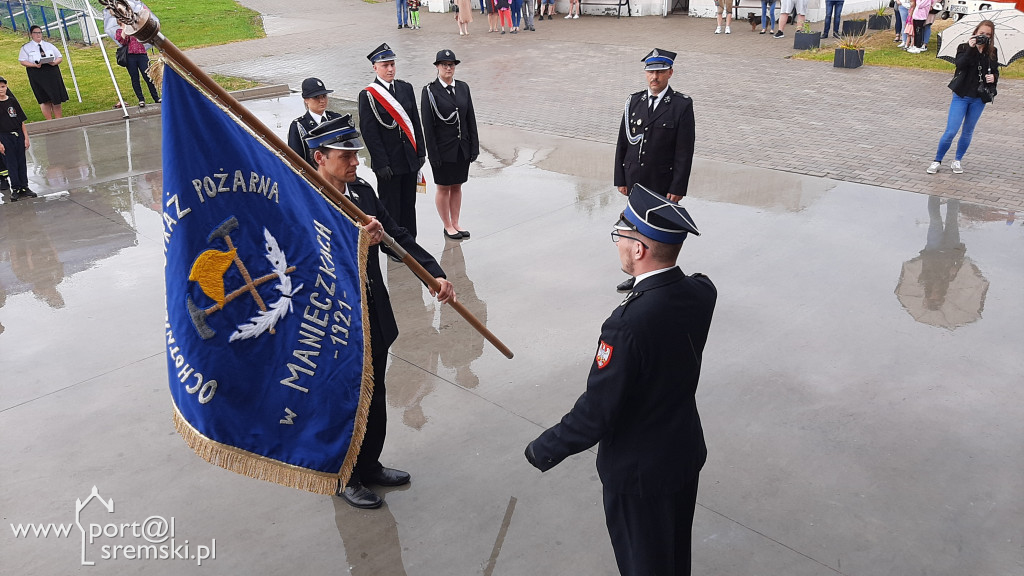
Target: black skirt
x,y
449,173
47,84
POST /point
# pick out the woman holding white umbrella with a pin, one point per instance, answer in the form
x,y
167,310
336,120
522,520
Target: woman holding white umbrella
x,y
973,86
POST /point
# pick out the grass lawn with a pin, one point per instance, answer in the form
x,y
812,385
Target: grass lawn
x,y
201,24
880,50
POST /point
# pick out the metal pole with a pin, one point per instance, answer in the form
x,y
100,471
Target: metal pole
x,y
64,41
146,28
103,49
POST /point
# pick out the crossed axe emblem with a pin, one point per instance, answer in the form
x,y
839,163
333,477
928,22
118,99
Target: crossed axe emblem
x,y
208,271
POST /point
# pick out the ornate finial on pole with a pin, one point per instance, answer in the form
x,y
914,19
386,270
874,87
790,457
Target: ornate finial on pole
x,y
136,19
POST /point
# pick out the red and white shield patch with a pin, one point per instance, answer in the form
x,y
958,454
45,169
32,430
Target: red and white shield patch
x,y
604,354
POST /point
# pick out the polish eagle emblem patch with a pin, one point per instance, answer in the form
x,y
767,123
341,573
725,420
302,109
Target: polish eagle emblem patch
x,y
604,354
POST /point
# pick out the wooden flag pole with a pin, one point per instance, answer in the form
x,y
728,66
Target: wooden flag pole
x,y
146,28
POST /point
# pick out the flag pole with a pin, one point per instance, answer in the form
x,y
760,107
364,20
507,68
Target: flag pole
x,y
146,28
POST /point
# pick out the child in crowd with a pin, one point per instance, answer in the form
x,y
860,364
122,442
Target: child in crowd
x,y
414,14
504,8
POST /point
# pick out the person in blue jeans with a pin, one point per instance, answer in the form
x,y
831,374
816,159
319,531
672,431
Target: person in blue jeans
x,y
767,20
402,10
977,72
833,10
517,15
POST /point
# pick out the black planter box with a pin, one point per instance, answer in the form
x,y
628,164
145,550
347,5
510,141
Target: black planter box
x,y
806,40
846,58
876,22
854,27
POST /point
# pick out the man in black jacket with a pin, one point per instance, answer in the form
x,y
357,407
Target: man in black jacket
x,y
657,134
390,125
314,96
639,403
335,145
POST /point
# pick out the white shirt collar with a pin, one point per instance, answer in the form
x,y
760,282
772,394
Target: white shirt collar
x,y
386,84
319,118
647,275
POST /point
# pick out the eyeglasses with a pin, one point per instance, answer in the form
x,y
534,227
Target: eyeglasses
x,y
616,235
40,32
447,64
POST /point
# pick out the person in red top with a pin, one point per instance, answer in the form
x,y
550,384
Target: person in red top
x,y
138,62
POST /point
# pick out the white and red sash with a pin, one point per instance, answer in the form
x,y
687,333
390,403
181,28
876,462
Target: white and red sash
x,y
394,108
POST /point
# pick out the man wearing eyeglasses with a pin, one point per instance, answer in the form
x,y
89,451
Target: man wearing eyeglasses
x,y
639,403
314,96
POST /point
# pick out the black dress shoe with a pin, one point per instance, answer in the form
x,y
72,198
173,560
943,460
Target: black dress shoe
x,y
626,286
360,496
464,233
387,477
456,236
28,193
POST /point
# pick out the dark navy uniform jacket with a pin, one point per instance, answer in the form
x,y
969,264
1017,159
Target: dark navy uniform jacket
x,y
383,328
639,403
662,159
300,128
445,138
390,146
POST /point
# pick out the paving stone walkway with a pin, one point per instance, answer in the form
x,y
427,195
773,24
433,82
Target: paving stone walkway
x,y
753,105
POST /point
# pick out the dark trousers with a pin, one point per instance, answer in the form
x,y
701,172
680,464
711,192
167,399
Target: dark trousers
x,y
651,533
918,33
137,65
376,421
14,158
399,198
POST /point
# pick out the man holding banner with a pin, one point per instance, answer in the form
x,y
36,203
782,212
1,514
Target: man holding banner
x,y
334,146
390,124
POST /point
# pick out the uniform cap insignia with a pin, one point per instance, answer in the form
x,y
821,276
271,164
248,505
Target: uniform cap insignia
x,y
604,354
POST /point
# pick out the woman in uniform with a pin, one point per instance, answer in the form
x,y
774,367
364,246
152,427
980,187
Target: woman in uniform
x,y
449,131
42,60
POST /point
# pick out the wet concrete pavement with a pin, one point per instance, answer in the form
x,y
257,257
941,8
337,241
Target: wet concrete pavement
x,y
845,436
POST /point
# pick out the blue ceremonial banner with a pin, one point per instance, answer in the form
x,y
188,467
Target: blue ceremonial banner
x,y
268,360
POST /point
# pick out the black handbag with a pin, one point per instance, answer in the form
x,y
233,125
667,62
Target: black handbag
x,y
986,91
122,55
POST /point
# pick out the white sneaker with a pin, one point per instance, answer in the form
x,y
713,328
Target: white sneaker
x,y
727,31
567,16
575,16
914,50
957,169
718,30
901,45
934,167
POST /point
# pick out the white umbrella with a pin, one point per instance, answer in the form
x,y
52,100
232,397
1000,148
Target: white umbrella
x,y
1009,37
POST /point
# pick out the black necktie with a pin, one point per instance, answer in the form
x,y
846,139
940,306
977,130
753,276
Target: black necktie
x,y
391,89
650,104
42,53
451,90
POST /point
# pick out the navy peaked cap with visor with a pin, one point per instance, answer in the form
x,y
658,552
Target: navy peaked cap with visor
x,y
656,217
659,59
339,134
382,53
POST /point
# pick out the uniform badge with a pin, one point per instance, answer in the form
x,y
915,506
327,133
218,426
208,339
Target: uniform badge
x,y
604,354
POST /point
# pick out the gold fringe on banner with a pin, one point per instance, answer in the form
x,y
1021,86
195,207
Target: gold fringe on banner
x,y
156,72
251,464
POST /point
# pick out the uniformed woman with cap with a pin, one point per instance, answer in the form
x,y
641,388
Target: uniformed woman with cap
x,y
314,96
449,131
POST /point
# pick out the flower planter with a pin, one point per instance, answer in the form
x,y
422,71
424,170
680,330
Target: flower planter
x,y
806,40
847,58
854,27
876,22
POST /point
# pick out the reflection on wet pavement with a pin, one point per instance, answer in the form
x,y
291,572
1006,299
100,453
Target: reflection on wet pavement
x,y
854,325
